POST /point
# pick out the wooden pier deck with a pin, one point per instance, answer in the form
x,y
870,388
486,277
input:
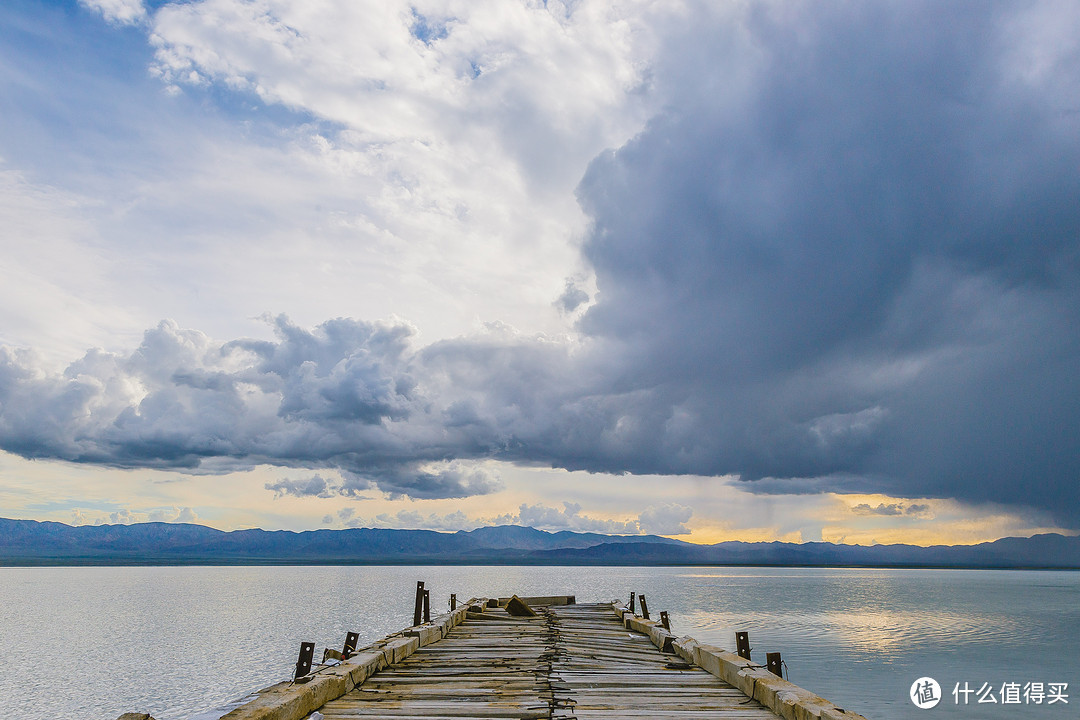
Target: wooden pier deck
x,y
568,662
571,661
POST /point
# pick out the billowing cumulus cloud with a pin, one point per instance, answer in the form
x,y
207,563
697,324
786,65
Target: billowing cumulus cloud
x,y
568,517
414,520
347,395
122,517
665,519
343,396
173,514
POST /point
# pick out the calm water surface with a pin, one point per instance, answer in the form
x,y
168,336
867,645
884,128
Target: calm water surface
x,y
92,643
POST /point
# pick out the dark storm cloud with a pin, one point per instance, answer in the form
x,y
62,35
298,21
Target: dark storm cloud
x,y
850,250
846,257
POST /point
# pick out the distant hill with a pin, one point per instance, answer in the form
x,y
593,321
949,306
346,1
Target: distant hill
x,y
28,542
1039,551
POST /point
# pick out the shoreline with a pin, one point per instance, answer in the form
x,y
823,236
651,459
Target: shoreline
x,y
439,562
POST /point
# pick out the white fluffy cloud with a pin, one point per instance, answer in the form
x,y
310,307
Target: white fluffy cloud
x,y
415,520
173,514
568,517
124,12
665,519
122,517
454,132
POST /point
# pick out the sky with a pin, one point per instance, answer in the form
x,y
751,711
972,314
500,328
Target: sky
x,y
717,271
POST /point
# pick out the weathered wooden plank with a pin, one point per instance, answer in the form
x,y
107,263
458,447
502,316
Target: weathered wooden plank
x,y
572,661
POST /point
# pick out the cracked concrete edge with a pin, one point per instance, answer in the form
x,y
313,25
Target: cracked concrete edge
x,y
786,699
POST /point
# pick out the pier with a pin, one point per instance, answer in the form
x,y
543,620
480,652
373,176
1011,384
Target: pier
x,y
535,658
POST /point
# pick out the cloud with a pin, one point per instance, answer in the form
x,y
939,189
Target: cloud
x,y
440,142
809,266
121,12
844,256
122,517
881,509
569,517
173,514
665,519
414,520
314,486
921,511
451,481
572,298
509,82
345,396
339,161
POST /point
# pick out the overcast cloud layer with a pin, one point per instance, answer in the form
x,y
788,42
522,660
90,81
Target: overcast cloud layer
x,y
843,254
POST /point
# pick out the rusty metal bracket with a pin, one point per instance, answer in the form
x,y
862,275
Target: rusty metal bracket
x,y
303,663
742,644
351,639
774,663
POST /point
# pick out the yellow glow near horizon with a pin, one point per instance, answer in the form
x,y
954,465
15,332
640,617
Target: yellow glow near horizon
x,y
722,509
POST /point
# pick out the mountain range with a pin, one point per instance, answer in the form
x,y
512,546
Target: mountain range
x,y
29,542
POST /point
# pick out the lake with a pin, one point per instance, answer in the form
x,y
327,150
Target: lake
x,y
92,643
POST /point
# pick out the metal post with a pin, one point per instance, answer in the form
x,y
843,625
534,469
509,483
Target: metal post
x,y
427,606
418,608
644,607
351,639
453,602
632,601
303,663
774,663
742,645
664,620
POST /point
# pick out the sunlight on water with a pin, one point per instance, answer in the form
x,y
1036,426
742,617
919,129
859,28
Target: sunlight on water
x,y
91,643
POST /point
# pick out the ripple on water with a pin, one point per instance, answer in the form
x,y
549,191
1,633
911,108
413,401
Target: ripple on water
x,y
90,643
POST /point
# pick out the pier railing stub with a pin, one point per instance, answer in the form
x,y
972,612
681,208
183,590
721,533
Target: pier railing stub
x,y
784,698
292,701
